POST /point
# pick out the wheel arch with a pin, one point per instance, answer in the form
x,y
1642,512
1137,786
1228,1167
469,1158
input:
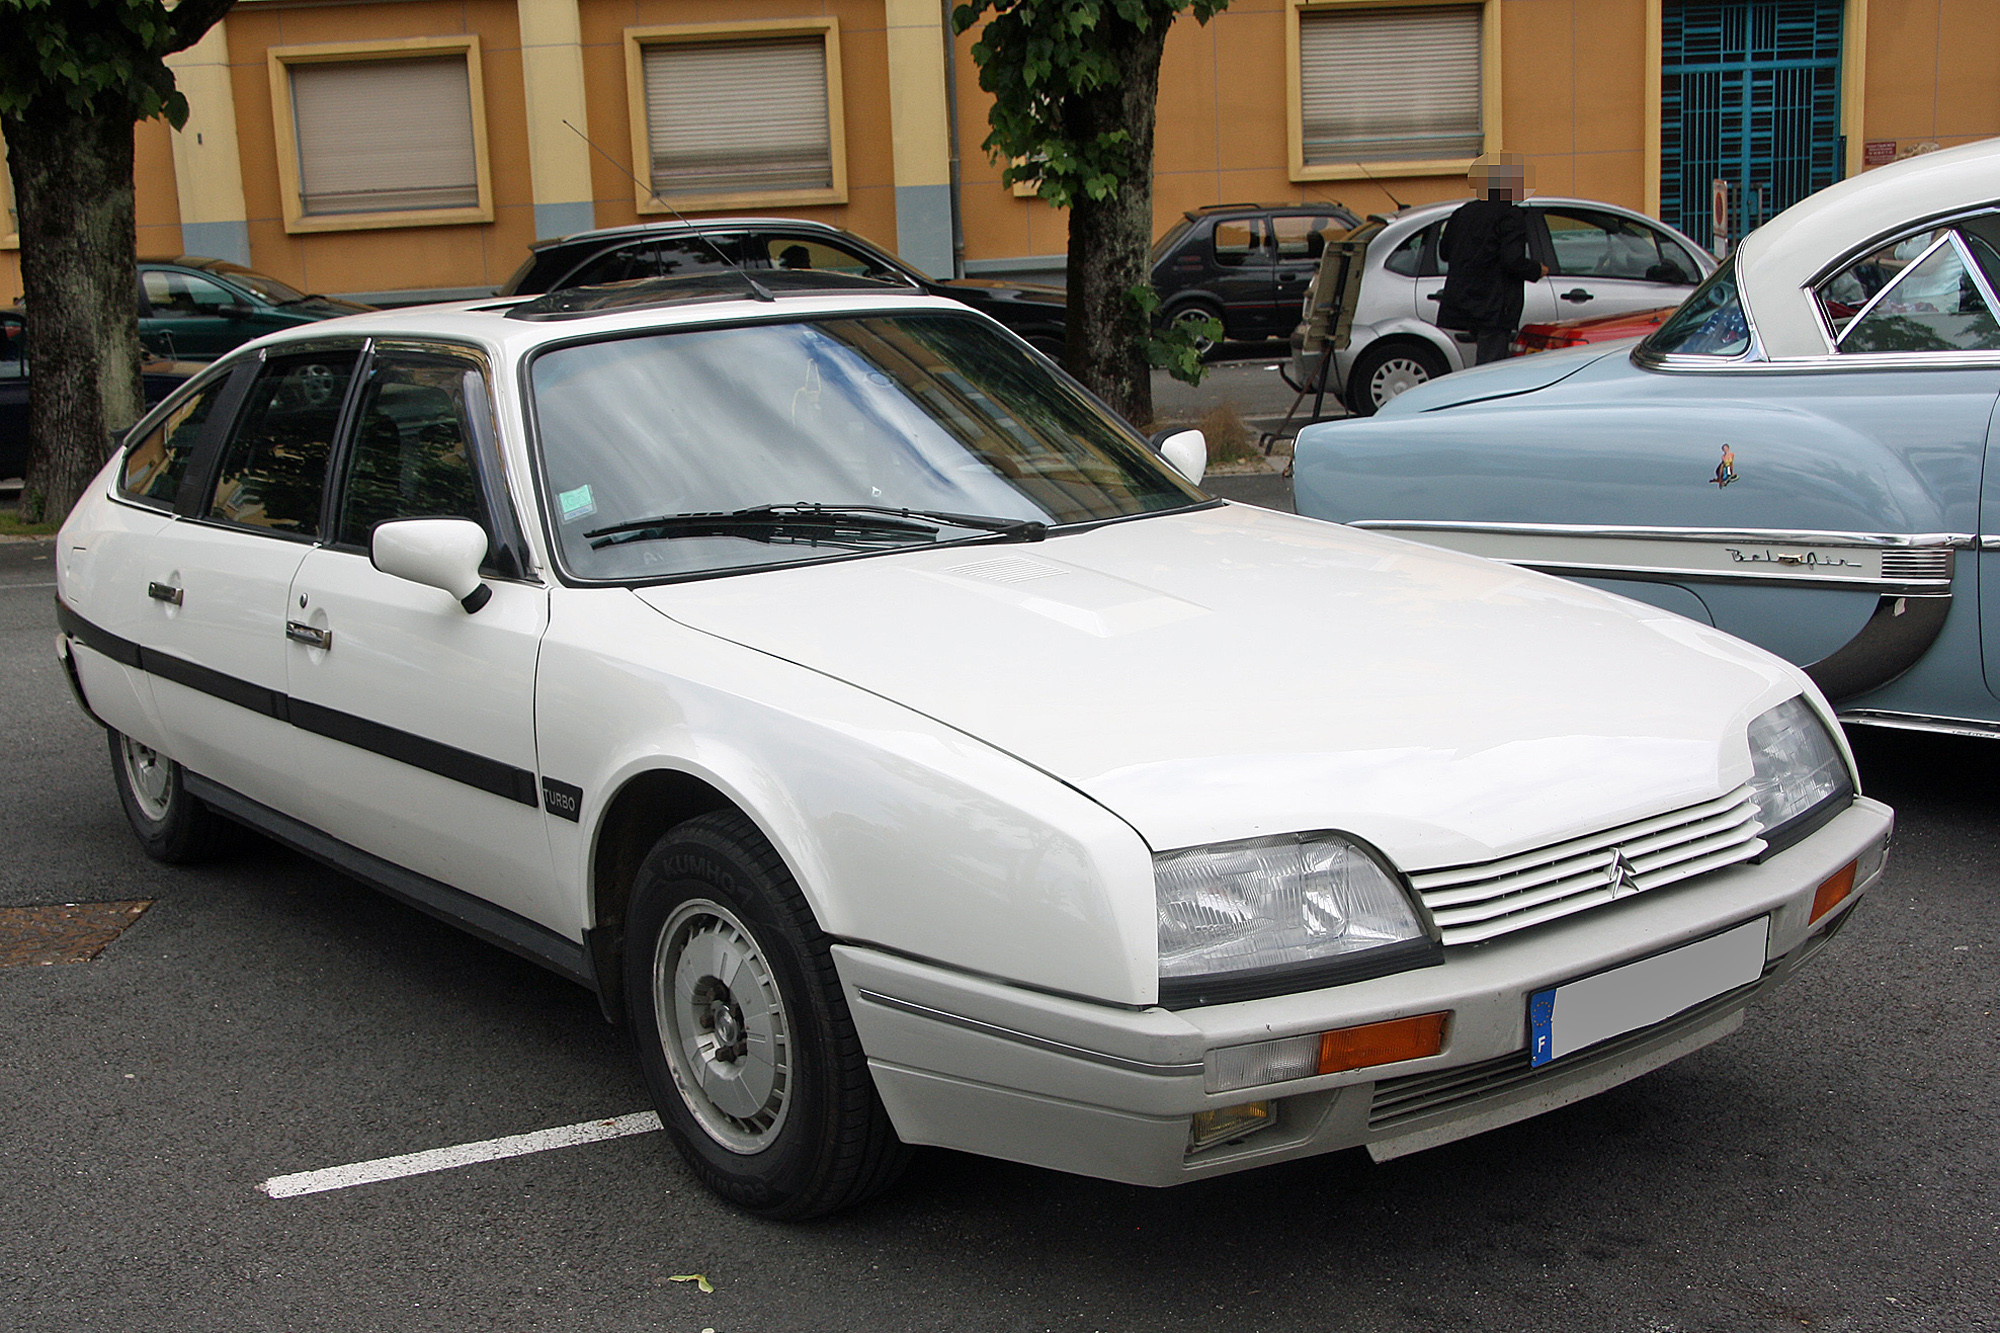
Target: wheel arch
x,y
646,804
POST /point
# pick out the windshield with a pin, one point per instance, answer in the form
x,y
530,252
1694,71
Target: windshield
x,y
935,413
277,293
1709,323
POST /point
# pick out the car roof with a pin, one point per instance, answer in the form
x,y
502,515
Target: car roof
x,y
491,323
1779,262
673,225
1311,206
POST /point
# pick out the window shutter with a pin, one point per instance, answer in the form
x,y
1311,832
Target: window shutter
x,y
744,117
383,136
1377,84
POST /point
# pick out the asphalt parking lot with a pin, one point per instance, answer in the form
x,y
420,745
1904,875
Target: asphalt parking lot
x,y
1830,1167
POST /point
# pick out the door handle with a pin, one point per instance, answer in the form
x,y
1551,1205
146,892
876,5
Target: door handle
x,y
1434,296
1578,295
164,592
309,635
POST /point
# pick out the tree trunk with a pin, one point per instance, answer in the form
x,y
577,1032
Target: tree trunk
x,y
73,194
1110,240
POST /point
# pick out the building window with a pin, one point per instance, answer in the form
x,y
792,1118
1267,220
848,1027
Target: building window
x,y
1404,86
737,115
381,134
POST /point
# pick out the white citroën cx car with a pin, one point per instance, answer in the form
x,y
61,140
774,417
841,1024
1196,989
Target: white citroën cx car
x,y
816,673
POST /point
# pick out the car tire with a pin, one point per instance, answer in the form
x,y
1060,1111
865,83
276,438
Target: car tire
x,y
1387,369
1191,311
1047,344
724,960
171,825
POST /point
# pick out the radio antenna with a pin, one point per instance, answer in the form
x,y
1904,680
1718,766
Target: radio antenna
x,y
1373,179
736,265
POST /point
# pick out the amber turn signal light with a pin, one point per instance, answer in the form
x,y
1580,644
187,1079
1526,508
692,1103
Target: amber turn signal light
x,y
1382,1043
1832,892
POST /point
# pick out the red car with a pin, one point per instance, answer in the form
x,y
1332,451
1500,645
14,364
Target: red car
x,y
1597,329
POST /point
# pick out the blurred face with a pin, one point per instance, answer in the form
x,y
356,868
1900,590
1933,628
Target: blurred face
x,y
1501,176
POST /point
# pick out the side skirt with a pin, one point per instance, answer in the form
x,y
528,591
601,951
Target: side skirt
x,y
496,925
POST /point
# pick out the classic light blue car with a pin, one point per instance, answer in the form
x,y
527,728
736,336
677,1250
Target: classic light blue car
x,y
1796,456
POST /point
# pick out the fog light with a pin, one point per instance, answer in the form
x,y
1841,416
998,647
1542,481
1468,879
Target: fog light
x,y
1833,891
1262,1062
1231,1122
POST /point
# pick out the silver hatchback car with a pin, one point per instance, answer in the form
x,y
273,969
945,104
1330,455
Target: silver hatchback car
x,y
1602,260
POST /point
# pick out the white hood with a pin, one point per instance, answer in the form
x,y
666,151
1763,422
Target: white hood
x,y
1235,672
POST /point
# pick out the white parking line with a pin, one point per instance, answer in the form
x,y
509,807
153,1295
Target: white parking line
x,y
464,1154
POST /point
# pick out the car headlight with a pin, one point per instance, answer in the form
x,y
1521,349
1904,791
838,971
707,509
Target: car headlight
x,y
1799,779
1268,916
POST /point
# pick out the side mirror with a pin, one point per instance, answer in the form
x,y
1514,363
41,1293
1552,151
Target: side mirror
x,y
1187,450
443,553
234,310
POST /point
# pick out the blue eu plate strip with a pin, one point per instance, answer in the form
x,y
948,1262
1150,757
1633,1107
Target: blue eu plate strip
x,y
1541,1018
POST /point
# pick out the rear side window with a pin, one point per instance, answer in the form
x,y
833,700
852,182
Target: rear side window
x,y
274,463
669,258
1711,322
1932,291
1935,304
155,466
795,252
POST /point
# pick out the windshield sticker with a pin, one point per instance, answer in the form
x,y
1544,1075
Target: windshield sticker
x,y
1725,471
576,504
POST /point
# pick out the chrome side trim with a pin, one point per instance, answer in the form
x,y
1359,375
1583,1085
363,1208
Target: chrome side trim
x,y
1949,726
1667,574
1028,1038
1818,364
1885,563
1789,536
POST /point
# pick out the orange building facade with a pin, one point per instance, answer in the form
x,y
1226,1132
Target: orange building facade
x,y
414,149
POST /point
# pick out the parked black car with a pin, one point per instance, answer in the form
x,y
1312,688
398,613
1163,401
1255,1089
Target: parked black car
x,y
1246,265
667,249
160,377
195,309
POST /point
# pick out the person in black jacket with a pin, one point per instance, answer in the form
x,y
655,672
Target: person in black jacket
x,y
1485,243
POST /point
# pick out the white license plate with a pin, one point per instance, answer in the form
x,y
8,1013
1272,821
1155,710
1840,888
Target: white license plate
x,y
1578,1014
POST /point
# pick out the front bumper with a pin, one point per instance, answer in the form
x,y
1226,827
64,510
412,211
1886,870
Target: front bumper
x,y
975,1064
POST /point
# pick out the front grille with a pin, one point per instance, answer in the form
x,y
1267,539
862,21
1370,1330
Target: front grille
x,y
1398,1101
1478,902
1911,564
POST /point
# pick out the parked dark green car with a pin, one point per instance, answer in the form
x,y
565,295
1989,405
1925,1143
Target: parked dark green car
x,y
195,309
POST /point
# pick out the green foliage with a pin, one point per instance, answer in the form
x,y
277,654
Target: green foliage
x,y
98,57
1037,57
1175,348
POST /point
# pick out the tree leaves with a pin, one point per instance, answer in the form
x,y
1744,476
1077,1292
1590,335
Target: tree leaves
x,y
1036,57
99,57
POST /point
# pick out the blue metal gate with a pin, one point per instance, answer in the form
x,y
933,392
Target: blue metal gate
x,y
1750,94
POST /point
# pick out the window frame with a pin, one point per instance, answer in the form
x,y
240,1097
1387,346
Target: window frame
x,y
507,554
1299,11
638,39
280,61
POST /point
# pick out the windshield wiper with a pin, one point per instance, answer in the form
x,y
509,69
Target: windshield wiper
x,y
812,524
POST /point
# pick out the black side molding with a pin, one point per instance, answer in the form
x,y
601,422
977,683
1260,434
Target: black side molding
x,y
1895,638
405,747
